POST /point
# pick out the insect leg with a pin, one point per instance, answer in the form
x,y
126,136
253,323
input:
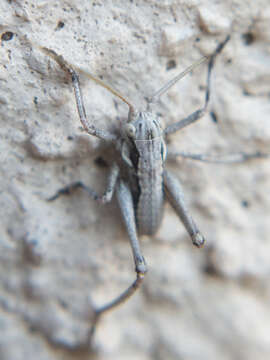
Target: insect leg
x,y
196,115
175,195
89,128
127,209
217,159
111,184
105,198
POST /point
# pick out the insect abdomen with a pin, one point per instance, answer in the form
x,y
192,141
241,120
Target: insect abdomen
x,y
150,203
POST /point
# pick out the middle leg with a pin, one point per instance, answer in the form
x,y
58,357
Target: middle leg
x,y
217,159
105,198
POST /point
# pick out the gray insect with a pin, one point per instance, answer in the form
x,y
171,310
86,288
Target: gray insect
x,y
139,180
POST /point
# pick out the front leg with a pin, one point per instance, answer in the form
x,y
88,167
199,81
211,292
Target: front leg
x,y
89,128
175,195
198,114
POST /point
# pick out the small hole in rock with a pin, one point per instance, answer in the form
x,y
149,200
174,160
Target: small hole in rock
x,y
7,36
171,64
248,38
245,203
60,25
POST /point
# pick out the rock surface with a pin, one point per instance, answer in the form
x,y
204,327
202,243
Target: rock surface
x,y
59,258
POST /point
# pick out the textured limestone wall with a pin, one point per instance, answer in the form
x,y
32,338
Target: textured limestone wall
x,y
59,258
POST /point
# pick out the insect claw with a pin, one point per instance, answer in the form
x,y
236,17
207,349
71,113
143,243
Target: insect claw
x,y
141,268
198,240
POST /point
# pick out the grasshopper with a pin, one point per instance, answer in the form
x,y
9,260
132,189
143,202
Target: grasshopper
x,y
139,180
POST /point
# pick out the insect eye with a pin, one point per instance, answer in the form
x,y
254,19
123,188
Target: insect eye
x,y
130,130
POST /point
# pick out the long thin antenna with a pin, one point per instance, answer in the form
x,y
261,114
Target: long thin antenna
x,y
169,84
67,67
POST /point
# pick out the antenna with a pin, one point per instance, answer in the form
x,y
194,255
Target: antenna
x,y
173,81
67,67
